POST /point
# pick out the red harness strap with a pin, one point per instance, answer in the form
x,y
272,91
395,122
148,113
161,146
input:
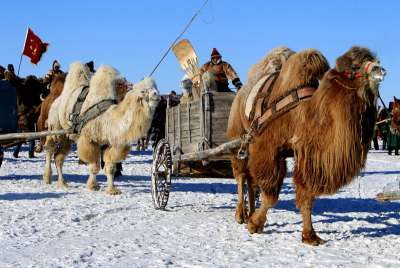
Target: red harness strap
x,y
352,75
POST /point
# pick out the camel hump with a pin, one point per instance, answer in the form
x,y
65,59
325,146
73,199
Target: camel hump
x,y
101,87
259,90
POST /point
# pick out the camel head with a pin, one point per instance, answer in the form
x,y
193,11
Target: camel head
x,y
360,65
304,68
395,123
145,93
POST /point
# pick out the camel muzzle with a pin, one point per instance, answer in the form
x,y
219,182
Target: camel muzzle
x,y
375,71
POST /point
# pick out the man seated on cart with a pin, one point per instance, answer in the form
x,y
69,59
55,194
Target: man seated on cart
x,y
222,71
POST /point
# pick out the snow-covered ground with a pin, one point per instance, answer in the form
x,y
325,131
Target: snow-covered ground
x,y
42,226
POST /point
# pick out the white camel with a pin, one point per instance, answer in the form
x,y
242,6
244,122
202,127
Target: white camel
x,y
117,128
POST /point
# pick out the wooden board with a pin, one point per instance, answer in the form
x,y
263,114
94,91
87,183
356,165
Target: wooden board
x,y
187,57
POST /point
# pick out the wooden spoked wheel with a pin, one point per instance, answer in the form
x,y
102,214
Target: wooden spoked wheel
x,y
1,155
161,172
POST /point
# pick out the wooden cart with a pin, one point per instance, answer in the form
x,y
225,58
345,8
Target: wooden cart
x,y
195,143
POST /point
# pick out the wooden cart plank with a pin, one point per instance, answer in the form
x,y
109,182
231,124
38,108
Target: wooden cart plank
x,y
203,155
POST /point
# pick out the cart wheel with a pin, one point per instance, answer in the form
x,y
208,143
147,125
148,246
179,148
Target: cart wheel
x,y
161,171
1,155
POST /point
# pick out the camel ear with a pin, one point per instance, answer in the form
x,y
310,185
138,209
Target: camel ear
x,y
394,98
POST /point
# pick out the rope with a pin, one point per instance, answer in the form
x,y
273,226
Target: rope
x,y
179,36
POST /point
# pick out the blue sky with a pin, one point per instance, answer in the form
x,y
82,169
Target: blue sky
x,y
133,35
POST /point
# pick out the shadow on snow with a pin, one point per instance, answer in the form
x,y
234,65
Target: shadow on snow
x,y
30,196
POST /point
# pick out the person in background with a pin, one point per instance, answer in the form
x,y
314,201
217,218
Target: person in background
x,y
2,70
55,70
9,74
90,65
222,71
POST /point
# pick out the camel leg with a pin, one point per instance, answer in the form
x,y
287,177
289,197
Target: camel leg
x,y
109,169
251,195
240,172
112,155
50,148
241,213
59,157
304,201
91,183
90,153
269,195
258,218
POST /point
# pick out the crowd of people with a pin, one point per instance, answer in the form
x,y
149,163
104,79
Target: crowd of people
x,y
390,140
27,111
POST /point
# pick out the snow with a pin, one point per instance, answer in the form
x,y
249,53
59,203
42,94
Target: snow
x,y
42,226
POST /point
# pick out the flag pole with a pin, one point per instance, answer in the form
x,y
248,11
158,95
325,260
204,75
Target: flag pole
x,y
22,53
19,65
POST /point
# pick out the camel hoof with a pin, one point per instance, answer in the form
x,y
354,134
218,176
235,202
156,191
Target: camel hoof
x,y
47,179
255,225
94,187
241,216
113,191
312,239
62,185
39,148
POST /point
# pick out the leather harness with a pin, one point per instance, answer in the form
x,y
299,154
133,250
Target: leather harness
x,y
263,113
79,121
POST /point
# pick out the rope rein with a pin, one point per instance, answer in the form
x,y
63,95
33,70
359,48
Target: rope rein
x,y
177,38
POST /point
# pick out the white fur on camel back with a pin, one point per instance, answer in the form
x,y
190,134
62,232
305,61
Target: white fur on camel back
x,y
101,87
78,76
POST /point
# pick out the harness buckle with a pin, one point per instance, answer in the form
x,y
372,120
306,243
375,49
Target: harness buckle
x,y
72,117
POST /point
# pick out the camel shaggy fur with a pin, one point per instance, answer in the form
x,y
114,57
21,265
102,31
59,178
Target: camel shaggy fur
x,y
328,134
116,129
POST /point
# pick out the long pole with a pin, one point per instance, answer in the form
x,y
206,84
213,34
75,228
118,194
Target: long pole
x,y
384,106
19,65
179,36
22,53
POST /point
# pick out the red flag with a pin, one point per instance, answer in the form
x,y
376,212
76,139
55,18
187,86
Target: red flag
x,y
34,47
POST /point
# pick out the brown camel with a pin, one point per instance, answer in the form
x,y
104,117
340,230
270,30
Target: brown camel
x,y
56,88
329,135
